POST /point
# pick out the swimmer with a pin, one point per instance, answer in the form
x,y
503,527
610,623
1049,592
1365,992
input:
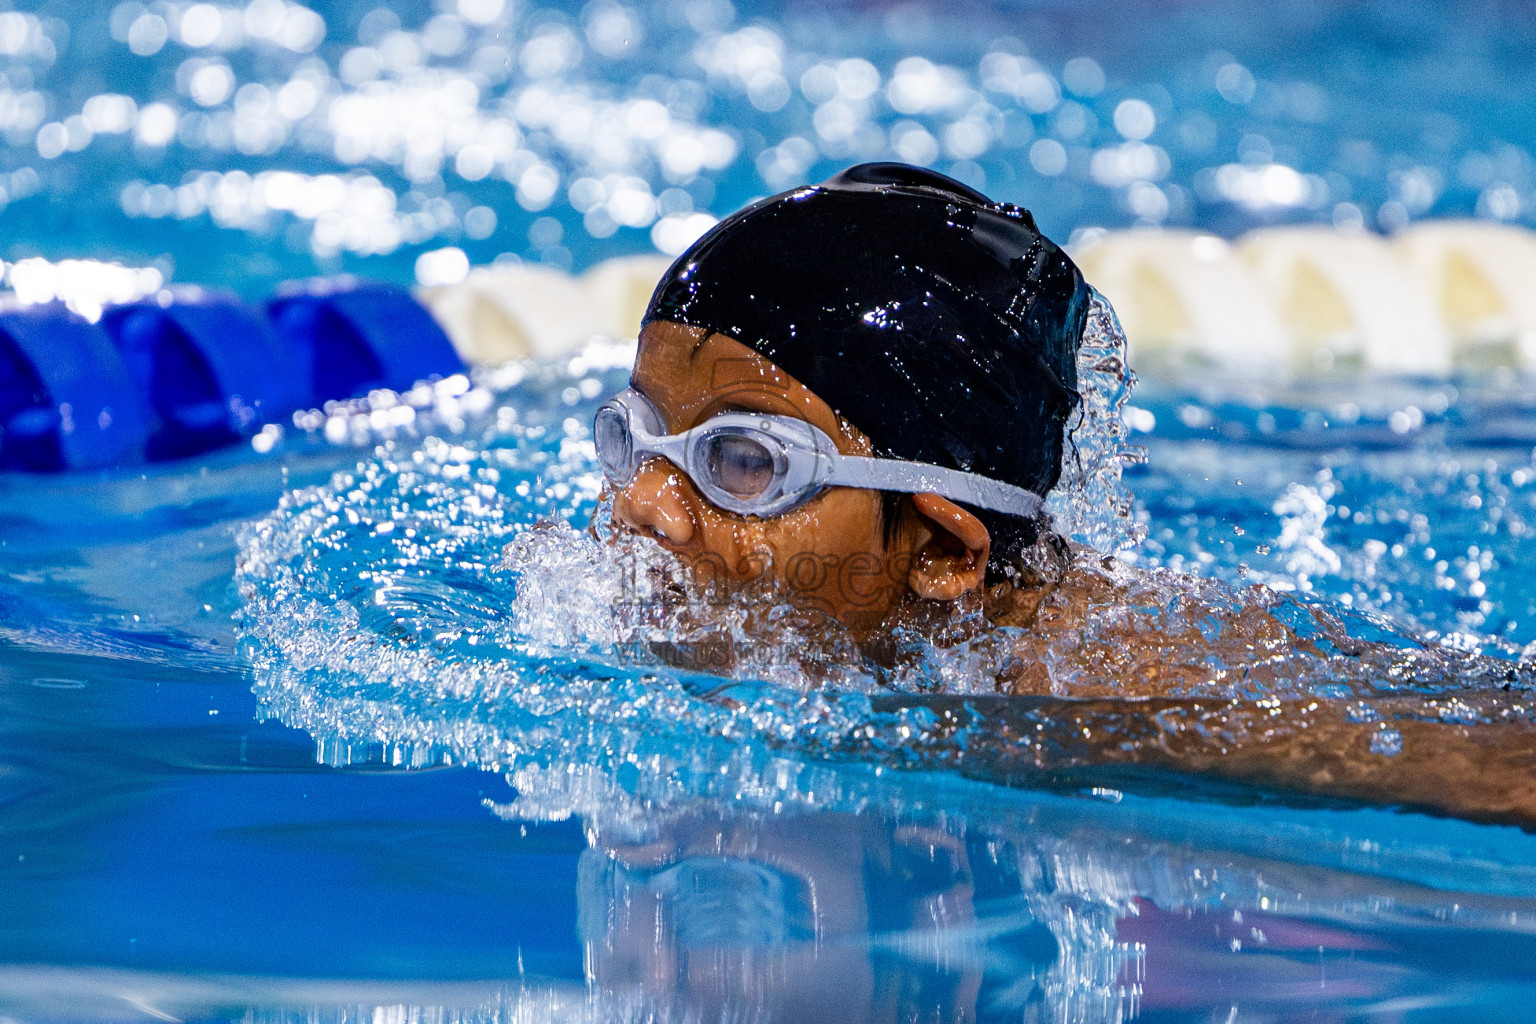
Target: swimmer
x,y
861,391
882,368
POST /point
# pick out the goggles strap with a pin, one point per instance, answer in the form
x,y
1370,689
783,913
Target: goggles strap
x,y
919,477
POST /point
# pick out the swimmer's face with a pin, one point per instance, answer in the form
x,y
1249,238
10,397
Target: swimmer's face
x,y
831,552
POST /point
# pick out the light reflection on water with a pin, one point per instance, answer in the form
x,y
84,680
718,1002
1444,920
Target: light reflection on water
x,y
293,138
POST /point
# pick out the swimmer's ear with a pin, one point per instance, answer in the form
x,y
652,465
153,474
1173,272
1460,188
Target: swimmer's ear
x,y
950,549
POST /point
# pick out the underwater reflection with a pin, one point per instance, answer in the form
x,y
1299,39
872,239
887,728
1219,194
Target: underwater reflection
x,y
850,917
879,916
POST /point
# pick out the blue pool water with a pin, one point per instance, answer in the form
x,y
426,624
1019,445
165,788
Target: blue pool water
x,y
564,133
265,759
505,820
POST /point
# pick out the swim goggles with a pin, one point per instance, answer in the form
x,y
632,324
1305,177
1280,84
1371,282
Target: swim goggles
x,y
759,464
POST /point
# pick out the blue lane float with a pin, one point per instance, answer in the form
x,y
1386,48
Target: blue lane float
x,y
67,401
355,337
211,367
190,370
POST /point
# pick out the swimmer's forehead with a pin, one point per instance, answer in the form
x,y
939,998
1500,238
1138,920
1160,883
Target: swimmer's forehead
x,y
691,374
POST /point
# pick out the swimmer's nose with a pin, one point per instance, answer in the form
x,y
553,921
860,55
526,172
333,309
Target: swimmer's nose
x,y
654,505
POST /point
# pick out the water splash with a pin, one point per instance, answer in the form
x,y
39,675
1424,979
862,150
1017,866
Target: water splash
x,y
1305,487
1304,512
642,605
1091,504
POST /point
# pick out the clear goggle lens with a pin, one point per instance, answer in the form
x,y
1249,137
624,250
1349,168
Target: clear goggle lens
x,y
723,462
615,444
739,465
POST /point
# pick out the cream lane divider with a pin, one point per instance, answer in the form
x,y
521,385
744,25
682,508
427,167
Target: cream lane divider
x,y
499,313
1438,296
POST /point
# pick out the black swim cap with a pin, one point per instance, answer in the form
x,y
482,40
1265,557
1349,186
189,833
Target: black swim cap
x,y
941,324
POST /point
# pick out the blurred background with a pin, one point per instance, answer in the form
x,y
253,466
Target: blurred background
x,y
242,144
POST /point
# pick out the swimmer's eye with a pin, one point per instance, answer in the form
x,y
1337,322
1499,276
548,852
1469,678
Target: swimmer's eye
x,y
739,465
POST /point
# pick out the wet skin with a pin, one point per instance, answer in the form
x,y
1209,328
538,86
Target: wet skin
x,y
832,552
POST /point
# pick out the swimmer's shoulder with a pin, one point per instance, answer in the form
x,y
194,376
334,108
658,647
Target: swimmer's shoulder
x,y
1057,583
1092,625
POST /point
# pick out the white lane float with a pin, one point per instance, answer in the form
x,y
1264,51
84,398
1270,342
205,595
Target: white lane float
x,y
1437,297
1481,276
513,312
1347,300
1185,296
